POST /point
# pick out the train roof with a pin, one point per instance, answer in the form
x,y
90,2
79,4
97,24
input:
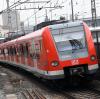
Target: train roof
x,y
23,38
68,25
47,23
31,35
40,31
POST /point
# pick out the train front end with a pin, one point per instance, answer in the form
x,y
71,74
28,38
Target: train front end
x,y
70,51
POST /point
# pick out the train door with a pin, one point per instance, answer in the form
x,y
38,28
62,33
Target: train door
x,y
35,49
18,52
37,52
14,49
22,59
6,53
32,52
3,54
12,53
25,53
0,54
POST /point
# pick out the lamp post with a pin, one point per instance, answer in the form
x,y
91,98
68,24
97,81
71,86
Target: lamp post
x,y
72,10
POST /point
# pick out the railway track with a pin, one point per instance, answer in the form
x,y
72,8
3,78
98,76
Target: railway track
x,y
84,94
81,93
32,94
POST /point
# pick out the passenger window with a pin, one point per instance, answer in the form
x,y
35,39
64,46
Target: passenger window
x,y
14,49
21,50
26,50
11,50
8,51
0,51
38,46
18,50
5,51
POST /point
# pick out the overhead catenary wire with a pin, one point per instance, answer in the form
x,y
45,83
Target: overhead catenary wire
x,y
37,11
13,6
56,4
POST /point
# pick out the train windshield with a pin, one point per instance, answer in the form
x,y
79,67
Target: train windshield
x,y
70,42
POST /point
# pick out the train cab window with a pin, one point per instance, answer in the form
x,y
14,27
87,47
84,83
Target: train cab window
x,y
70,42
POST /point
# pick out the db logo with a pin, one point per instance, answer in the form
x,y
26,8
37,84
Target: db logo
x,y
75,62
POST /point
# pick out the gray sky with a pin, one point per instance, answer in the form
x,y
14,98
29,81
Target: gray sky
x,y
82,8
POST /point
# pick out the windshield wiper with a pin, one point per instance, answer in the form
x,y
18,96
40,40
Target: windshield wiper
x,y
75,45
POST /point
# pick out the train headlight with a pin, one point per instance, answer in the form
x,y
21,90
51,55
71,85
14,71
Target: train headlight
x,y
54,63
93,58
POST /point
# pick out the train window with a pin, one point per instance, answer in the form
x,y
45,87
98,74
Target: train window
x,y
25,49
31,47
0,51
14,49
6,51
38,46
71,42
35,49
66,30
18,50
21,49
11,50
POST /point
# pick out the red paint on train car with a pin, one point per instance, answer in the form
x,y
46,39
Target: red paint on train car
x,y
54,51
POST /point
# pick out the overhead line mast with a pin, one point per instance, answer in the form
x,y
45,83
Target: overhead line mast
x,y
72,10
93,10
94,23
9,16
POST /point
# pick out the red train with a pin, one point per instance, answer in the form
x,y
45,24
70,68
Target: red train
x,y
54,52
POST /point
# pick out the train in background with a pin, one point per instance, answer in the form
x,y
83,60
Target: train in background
x,y
57,51
96,37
